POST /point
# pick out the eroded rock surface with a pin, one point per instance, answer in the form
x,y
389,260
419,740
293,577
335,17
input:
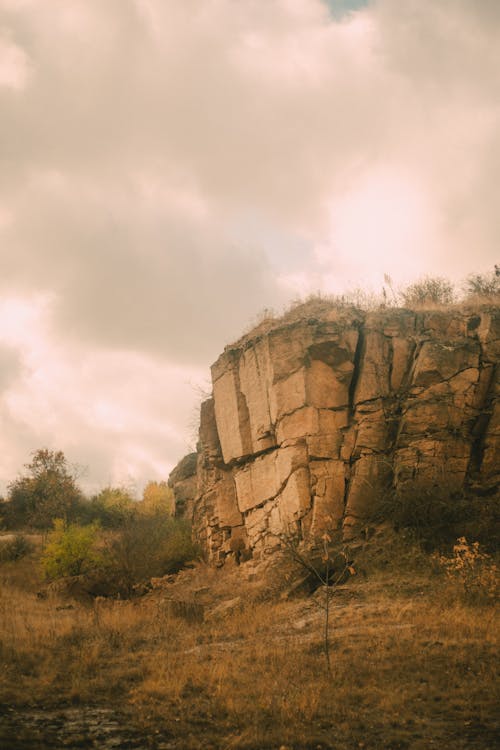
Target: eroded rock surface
x,y
312,421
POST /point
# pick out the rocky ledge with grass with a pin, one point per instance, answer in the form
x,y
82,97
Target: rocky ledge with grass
x,y
328,414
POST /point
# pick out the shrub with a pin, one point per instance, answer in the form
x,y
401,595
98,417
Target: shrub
x,y
157,498
148,546
70,550
16,548
475,572
113,507
483,285
432,515
429,290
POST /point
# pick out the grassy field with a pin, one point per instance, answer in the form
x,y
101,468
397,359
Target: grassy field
x,y
413,665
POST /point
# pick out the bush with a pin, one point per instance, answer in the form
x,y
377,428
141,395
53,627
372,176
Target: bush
x,y
157,498
71,550
112,508
432,515
148,546
428,291
483,285
16,548
475,572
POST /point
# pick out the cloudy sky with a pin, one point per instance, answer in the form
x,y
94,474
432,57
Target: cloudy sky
x,y
169,168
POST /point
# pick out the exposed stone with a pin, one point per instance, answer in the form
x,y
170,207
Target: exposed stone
x,y
312,421
183,481
224,609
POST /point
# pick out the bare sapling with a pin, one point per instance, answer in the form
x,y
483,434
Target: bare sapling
x,y
335,566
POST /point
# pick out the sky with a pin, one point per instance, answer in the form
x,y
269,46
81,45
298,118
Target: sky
x,y
170,168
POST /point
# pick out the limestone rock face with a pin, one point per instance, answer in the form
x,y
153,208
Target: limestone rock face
x,y
314,420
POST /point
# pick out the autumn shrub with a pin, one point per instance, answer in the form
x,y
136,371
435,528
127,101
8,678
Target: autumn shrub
x,y
147,546
431,290
16,548
71,550
473,571
485,286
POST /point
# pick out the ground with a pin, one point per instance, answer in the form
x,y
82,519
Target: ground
x,y
225,659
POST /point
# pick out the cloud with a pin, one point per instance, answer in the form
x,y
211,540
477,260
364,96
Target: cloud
x,y
169,169
14,65
144,269
122,414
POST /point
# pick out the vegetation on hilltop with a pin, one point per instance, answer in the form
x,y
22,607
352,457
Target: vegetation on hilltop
x,y
429,292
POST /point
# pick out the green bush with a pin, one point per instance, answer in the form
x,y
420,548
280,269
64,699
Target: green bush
x,y
113,507
70,550
146,546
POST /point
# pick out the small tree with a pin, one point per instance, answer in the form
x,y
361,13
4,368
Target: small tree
x,y
47,491
113,507
328,569
157,498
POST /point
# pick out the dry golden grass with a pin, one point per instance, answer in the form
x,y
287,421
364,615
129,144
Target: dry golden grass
x,y
357,303
411,665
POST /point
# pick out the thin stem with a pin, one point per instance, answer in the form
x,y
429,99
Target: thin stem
x,y
327,619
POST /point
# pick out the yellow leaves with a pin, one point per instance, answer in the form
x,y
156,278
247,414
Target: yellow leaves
x,y
475,571
157,498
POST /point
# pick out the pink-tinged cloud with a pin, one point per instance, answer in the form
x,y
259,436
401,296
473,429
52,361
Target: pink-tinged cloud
x,y
169,169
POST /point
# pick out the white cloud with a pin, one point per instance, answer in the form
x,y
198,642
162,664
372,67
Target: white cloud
x,y
15,67
123,414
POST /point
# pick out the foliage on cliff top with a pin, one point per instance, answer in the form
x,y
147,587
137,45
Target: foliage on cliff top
x,y
427,293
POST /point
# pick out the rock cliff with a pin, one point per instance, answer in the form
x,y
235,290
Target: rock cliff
x,y
314,419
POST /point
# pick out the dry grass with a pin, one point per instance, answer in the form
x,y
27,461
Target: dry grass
x,y
356,304
410,665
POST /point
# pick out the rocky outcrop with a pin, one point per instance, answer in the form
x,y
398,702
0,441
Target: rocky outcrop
x,y
184,484
313,420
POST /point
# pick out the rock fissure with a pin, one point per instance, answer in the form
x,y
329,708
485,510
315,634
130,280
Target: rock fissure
x,y
479,430
360,345
311,422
